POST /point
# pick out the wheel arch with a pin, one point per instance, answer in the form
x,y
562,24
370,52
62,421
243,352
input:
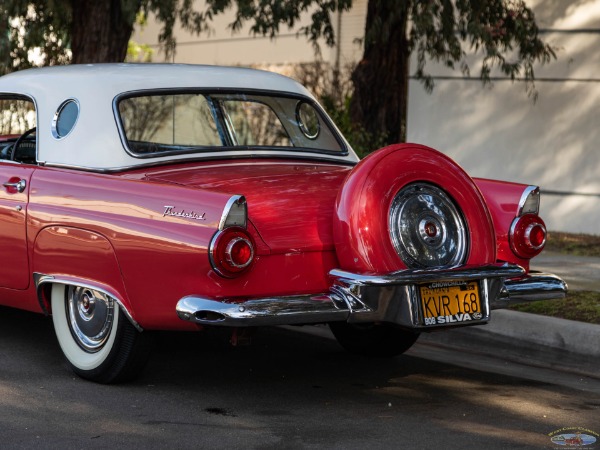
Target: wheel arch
x,y
78,257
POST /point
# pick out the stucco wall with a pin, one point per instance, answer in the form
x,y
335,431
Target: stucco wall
x,y
499,133
492,132
221,46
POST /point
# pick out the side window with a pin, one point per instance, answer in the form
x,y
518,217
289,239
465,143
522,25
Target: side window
x,y
16,116
254,123
17,129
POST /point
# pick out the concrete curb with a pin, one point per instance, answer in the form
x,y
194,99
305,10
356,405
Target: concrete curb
x,y
561,334
528,339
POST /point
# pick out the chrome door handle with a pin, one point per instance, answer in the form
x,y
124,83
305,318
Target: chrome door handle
x,y
18,185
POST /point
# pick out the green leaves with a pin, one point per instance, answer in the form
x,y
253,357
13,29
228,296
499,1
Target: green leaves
x,y
25,26
38,32
503,32
266,16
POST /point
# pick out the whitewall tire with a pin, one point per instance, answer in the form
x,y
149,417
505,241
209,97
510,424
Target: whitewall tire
x,y
97,339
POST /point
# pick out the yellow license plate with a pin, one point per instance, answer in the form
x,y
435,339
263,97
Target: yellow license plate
x,y
450,303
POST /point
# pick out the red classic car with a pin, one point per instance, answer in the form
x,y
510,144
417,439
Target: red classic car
x,y
172,197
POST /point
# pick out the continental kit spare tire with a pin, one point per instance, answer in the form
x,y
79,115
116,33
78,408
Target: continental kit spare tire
x,y
410,206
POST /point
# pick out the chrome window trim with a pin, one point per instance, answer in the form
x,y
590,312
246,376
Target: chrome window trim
x,y
54,124
302,125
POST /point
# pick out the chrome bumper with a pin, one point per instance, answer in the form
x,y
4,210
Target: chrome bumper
x,y
391,298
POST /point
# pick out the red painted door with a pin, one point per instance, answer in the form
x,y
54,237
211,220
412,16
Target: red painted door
x,y
14,195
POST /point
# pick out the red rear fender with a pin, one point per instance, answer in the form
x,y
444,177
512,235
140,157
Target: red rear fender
x,y
504,201
79,257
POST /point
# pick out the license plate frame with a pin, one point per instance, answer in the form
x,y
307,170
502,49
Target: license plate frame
x,y
451,303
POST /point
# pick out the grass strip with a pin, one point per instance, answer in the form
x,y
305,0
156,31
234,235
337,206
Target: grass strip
x,y
573,243
583,306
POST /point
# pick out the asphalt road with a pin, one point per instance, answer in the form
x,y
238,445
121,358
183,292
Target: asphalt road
x,y
287,390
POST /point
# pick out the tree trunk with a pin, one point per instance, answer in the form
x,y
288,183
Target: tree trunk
x,y
101,30
380,101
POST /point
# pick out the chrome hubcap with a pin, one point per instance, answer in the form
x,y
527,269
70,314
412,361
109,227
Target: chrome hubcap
x,y
90,315
432,231
426,227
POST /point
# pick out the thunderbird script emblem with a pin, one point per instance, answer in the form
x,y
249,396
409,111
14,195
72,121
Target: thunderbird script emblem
x,y
171,211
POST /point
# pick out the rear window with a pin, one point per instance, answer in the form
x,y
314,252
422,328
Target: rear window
x,y
154,125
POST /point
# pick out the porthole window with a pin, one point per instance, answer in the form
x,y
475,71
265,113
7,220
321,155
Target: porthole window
x,y
308,120
65,118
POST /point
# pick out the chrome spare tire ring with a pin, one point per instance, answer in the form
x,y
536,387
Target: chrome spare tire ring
x,y
90,316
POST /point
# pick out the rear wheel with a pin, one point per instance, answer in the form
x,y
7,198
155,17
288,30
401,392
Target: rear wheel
x,y
98,341
381,340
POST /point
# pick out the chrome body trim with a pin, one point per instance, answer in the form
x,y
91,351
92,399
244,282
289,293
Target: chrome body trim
x,y
261,312
529,190
20,185
41,279
416,276
216,157
532,287
391,298
234,201
394,297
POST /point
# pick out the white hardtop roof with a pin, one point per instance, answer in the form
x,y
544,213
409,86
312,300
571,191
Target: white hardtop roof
x,y
119,78
95,142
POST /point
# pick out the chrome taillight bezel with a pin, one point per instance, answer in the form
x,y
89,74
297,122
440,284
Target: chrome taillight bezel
x,y
232,229
229,252
220,249
530,201
520,236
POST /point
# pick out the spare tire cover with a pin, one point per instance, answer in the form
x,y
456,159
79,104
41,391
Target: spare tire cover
x,y
360,224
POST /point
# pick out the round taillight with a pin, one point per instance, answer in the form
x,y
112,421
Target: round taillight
x,y
231,252
536,234
528,236
239,252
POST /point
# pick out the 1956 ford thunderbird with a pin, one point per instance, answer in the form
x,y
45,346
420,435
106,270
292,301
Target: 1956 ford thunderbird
x,y
171,197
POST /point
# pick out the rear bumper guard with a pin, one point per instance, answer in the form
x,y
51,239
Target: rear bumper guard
x,y
391,298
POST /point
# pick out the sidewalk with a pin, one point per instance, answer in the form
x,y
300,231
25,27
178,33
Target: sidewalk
x,y
582,273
